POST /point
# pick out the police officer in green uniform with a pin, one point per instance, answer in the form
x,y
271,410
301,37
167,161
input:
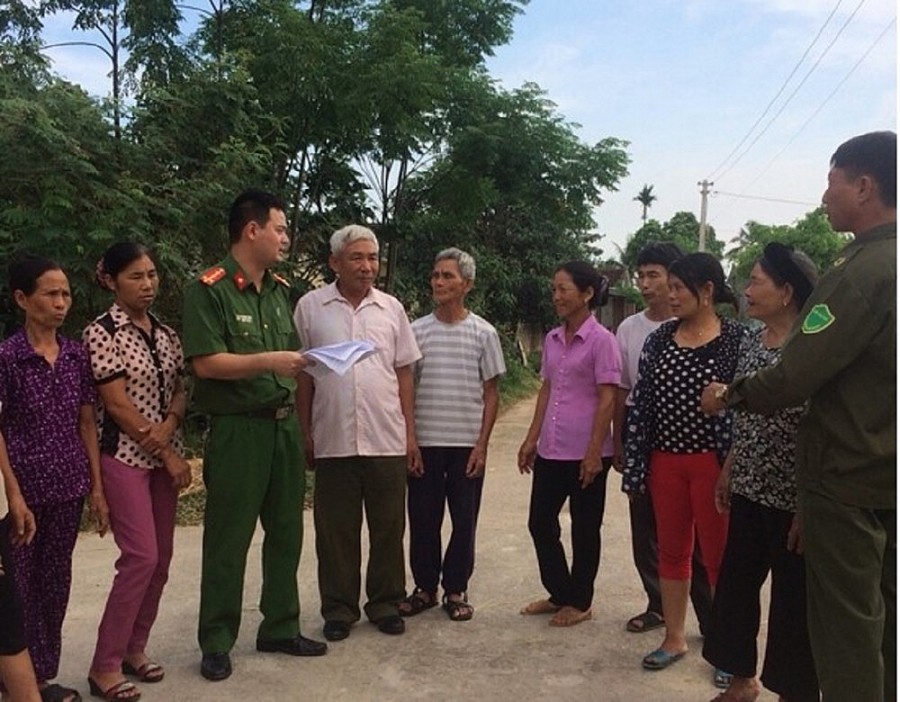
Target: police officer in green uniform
x,y
843,358
240,339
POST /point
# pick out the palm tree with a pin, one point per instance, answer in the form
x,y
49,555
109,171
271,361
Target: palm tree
x,y
646,198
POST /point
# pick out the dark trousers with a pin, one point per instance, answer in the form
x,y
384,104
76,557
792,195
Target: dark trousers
x,y
645,552
851,587
757,540
444,480
344,488
253,470
12,624
553,483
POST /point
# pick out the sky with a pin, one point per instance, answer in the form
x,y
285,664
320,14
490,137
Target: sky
x,y
684,82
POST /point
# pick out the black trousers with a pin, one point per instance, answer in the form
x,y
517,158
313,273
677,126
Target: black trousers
x,y
444,481
12,624
644,551
757,538
553,483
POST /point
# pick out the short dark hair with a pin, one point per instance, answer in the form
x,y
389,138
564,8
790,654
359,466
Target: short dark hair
x,y
25,270
118,257
251,206
697,269
875,155
659,253
585,276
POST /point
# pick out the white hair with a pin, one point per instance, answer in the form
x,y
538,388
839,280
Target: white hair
x,y
345,236
464,260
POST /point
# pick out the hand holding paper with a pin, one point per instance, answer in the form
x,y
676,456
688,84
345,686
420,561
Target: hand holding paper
x,y
337,358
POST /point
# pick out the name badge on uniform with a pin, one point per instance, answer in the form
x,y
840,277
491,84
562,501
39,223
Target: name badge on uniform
x,y
244,318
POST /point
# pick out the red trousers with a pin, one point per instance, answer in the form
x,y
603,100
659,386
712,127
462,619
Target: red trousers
x,y
682,488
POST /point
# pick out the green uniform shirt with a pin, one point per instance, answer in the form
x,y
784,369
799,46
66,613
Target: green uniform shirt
x,y
223,313
841,354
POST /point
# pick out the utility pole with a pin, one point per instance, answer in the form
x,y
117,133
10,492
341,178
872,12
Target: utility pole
x,y
704,193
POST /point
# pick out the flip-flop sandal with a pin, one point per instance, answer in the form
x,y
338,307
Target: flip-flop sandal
x,y
540,607
570,616
660,659
721,679
150,672
416,603
58,693
458,610
648,621
122,691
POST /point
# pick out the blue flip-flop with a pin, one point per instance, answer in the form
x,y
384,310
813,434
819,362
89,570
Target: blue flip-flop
x,y
660,659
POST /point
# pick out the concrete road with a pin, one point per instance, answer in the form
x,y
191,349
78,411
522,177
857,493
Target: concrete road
x,y
499,655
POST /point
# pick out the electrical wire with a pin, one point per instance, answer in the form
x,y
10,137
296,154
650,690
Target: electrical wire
x,y
795,91
765,199
822,104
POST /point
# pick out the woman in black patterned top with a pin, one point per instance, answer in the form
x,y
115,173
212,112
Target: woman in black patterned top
x,y
137,364
671,448
758,487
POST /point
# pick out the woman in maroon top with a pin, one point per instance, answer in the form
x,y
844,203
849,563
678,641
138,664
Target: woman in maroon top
x,y
137,363
49,456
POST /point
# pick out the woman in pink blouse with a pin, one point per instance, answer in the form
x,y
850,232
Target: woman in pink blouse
x,y
137,364
568,447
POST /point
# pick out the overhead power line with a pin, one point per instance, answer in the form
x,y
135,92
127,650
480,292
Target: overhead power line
x,y
765,199
822,104
795,91
784,85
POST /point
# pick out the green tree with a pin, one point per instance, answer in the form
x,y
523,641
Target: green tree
x,y
812,235
646,198
682,229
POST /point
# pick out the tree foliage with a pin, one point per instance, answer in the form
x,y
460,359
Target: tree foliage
x,y
812,235
682,229
377,111
646,197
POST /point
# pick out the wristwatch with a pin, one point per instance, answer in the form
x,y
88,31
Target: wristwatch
x,y
722,394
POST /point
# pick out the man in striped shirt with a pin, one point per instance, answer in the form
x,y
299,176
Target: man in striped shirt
x,y
456,406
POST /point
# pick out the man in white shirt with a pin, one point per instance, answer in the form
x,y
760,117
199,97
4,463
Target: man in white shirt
x,y
652,274
457,398
360,436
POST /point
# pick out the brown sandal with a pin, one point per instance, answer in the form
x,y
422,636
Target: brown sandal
x,y
540,607
123,691
416,603
570,616
458,610
150,672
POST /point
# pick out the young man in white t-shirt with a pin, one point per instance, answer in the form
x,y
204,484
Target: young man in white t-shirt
x,y
652,275
16,670
456,405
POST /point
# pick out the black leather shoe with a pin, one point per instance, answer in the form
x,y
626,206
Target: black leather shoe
x,y
297,646
336,631
391,624
215,666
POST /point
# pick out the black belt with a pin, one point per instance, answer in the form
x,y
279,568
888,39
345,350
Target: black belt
x,y
271,413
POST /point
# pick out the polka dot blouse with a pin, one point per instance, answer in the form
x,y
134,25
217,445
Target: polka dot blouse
x,y
151,365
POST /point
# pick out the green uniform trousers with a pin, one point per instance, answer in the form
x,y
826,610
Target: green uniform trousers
x,y
344,486
253,469
851,568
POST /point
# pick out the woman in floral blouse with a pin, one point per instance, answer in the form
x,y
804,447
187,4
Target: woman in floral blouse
x,y
757,486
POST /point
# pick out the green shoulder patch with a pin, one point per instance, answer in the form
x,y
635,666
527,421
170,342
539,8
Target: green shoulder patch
x,y
818,319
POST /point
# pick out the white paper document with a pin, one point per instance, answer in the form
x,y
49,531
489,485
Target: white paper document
x,y
337,358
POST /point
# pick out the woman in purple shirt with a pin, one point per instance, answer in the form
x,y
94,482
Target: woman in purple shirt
x,y
49,456
568,447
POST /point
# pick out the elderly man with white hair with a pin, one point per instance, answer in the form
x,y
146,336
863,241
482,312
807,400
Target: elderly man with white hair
x,y
360,436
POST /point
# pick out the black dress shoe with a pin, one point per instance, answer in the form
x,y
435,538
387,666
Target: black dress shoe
x,y
336,631
391,624
297,646
215,666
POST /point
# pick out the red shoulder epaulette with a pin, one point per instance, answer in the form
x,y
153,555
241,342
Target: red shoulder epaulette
x,y
280,279
213,275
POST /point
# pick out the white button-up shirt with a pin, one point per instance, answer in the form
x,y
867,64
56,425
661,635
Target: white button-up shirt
x,y
358,414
